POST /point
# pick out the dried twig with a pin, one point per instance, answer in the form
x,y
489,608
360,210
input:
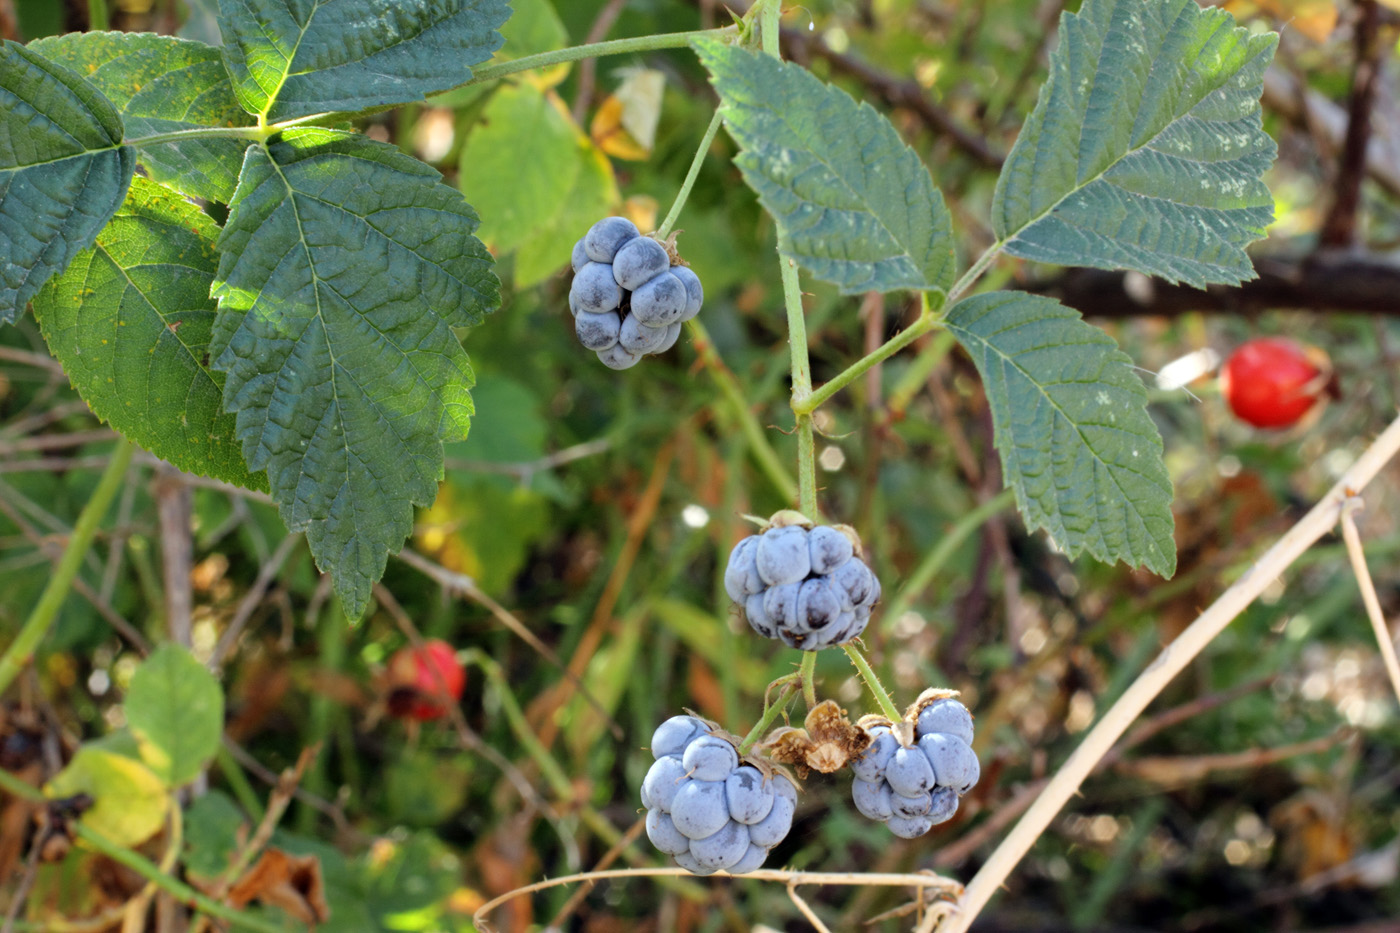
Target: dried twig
x,y
1384,639
266,574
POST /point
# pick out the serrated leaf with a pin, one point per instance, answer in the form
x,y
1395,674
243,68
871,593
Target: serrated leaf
x,y
293,58
344,267
858,206
175,709
1071,424
551,197
130,322
159,85
1145,149
63,171
129,801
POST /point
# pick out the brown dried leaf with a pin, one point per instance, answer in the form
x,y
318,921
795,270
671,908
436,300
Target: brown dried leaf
x,y
291,882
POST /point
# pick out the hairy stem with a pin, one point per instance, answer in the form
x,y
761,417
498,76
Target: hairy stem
x,y
676,206
927,321
877,689
771,713
18,654
807,676
669,40
1067,780
970,277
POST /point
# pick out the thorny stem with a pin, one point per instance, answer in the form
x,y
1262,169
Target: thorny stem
x,y
670,40
674,214
807,676
1161,672
42,616
877,689
771,713
1368,591
927,321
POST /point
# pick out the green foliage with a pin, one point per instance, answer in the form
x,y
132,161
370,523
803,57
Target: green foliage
x,y
129,801
857,204
1072,428
176,711
161,85
130,321
63,171
213,825
1145,150
344,269
292,59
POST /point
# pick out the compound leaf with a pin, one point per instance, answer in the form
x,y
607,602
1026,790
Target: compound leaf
x,y
1145,149
1071,424
176,711
63,171
293,58
130,321
344,268
858,206
160,85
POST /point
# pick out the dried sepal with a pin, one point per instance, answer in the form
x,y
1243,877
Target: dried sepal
x,y
786,517
825,743
929,697
852,537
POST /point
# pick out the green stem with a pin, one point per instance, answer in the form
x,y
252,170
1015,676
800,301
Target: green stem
x,y
674,214
918,373
877,689
143,867
763,452
926,322
801,386
558,781
97,15
205,132
774,710
807,676
971,276
935,559
22,649
670,40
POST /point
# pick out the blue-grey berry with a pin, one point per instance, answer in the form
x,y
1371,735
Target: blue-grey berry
x,y
593,288
709,758
782,555
723,848
659,301
617,357
909,828
910,807
818,606
638,338
945,804
662,783
829,548
573,303
780,604
752,860
872,799
749,793
673,735
774,827
947,716
579,258
694,291
870,766
758,616
664,835
741,579
673,333
639,260
700,809
856,580
909,772
691,864
606,237
954,763
597,331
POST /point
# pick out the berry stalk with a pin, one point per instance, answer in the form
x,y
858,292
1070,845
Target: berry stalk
x,y
877,689
674,213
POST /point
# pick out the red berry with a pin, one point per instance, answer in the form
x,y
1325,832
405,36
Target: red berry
x,y
1272,382
423,680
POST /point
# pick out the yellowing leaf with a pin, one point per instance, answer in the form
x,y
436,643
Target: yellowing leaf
x,y
129,801
610,136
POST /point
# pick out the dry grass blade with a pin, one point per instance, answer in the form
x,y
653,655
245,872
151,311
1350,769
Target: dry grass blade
x,y
1368,592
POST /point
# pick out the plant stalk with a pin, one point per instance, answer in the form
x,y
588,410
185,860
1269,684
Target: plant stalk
x,y
669,40
675,212
926,322
42,616
877,689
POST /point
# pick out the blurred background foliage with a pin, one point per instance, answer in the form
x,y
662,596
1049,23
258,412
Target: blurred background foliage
x,y
597,507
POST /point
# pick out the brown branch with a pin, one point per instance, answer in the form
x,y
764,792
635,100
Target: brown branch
x,y
1340,282
1339,229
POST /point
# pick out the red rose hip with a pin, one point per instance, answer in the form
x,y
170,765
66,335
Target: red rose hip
x,y
424,681
1272,382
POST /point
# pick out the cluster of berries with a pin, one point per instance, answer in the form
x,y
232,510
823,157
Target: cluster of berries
x,y
912,787
803,583
706,808
629,295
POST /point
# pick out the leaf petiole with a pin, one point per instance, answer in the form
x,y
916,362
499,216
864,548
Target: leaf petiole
x,y
669,40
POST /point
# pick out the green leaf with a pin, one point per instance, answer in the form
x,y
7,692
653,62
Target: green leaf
x,y
293,58
213,824
344,268
1145,149
858,206
176,711
130,322
1071,424
161,85
63,171
129,801
551,197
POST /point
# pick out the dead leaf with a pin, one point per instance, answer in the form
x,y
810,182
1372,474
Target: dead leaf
x,y
625,125
291,882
